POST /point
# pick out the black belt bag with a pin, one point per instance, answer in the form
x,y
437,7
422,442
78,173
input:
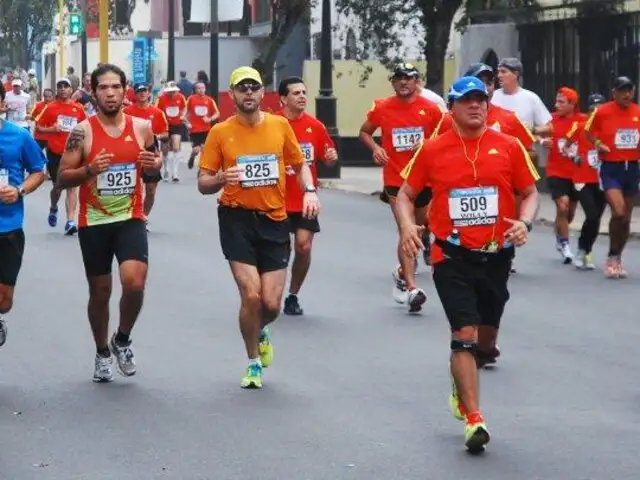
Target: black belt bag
x,y
475,256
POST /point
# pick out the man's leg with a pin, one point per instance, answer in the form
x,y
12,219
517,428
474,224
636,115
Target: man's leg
x,y
617,230
592,202
304,232
11,253
174,162
71,204
53,163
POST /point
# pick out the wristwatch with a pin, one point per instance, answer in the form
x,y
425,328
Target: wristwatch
x,y
21,191
309,189
529,225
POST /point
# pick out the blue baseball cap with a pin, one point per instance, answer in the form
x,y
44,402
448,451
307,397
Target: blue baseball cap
x,y
466,85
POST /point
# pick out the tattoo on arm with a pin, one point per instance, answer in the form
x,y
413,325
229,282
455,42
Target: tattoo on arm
x,y
75,140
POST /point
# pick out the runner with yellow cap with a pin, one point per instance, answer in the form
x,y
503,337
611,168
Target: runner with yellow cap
x,y
246,157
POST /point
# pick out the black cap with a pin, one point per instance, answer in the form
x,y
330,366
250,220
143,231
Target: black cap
x,y
596,99
513,64
621,83
138,87
405,70
477,69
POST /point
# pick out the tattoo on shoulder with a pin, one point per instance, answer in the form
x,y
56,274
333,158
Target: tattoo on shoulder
x,y
75,140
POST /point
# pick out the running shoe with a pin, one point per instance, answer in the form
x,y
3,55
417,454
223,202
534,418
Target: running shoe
x,y
252,377
265,349
125,359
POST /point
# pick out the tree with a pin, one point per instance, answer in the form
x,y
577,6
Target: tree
x,y
285,15
25,25
384,23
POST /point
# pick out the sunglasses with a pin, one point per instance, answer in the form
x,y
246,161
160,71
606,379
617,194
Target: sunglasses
x,y
245,87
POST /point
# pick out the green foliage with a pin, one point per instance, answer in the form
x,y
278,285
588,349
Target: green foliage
x,y
25,26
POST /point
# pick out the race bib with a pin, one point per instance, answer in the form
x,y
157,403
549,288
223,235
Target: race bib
x,y
258,170
627,138
66,123
172,111
17,112
307,152
473,206
200,110
573,149
120,179
404,139
593,159
4,177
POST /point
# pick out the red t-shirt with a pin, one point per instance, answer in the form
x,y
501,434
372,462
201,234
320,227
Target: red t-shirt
x,y
587,171
65,114
558,164
172,106
475,205
35,113
158,121
618,128
314,140
403,126
199,106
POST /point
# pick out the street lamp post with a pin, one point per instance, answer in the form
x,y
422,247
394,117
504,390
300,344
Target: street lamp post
x,y
83,41
213,53
171,42
326,110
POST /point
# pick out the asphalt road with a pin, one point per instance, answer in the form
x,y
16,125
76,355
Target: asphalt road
x,y
358,389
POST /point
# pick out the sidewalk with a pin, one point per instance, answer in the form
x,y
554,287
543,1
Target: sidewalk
x,y
368,181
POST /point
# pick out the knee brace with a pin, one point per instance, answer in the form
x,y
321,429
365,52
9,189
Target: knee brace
x,y
464,346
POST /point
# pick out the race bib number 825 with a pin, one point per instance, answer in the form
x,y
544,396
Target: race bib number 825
x,y
258,170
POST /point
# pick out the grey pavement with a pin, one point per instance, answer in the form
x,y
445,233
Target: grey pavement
x,y
358,389
368,180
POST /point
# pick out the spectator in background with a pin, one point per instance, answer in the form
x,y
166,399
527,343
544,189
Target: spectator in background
x,y
185,86
8,82
202,77
32,87
73,78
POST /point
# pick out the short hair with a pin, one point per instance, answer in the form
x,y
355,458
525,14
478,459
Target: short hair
x,y
48,90
70,69
107,68
283,88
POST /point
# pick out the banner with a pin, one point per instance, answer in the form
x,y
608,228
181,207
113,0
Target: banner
x,y
228,10
139,59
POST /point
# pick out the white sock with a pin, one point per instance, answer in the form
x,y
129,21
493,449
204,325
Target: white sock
x,y
176,164
255,361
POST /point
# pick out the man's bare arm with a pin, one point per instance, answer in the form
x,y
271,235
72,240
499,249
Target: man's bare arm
x,y
72,172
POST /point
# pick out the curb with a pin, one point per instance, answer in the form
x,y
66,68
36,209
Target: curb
x,y
541,221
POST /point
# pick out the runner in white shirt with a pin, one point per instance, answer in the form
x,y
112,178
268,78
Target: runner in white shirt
x,y
434,98
17,104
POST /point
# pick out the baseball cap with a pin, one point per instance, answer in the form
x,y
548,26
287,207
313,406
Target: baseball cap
x,y
596,99
16,83
139,87
512,63
466,85
477,69
63,80
405,70
244,73
32,71
621,83
171,87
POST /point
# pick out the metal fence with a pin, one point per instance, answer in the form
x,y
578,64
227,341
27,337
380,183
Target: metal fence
x,y
583,53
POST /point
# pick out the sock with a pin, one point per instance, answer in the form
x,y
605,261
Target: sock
x,y
294,295
563,240
255,361
121,338
104,352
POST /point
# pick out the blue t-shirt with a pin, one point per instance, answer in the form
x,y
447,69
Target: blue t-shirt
x,y
19,152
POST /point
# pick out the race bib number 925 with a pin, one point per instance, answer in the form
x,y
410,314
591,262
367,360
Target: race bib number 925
x,y
118,180
258,170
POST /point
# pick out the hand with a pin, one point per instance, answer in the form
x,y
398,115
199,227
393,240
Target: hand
x,y
101,162
411,240
380,157
206,119
310,205
148,160
546,142
9,195
602,148
232,175
330,155
517,234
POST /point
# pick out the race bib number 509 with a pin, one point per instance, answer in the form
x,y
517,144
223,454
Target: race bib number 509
x,y
118,180
258,170
473,206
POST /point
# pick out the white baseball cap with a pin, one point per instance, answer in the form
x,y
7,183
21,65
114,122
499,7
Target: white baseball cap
x,y
16,83
32,71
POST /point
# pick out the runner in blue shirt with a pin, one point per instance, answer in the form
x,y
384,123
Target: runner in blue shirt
x,y
19,152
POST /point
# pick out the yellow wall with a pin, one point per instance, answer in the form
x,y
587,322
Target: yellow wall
x,y
354,101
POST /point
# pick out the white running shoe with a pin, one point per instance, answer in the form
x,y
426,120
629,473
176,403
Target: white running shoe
x,y
103,369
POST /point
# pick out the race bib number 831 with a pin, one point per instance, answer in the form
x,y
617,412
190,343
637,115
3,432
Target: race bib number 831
x,y
118,180
627,138
473,206
258,170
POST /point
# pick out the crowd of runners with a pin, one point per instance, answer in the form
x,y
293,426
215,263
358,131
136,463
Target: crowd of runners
x,y
458,176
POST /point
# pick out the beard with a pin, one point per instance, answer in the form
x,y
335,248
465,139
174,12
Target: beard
x,y
108,110
248,109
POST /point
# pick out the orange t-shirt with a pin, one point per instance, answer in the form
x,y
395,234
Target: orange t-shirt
x,y
35,113
475,206
64,114
587,170
619,129
199,106
264,151
403,126
314,140
558,164
500,120
172,106
159,124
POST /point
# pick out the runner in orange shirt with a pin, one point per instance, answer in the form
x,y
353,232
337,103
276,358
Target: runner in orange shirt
x,y
142,108
615,130
587,183
174,106
316,145
561,167
47,97
404,120
105,156
473,172
202,112
57,120
246,156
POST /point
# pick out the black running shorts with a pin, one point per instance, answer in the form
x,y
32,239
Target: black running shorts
x,y
11,251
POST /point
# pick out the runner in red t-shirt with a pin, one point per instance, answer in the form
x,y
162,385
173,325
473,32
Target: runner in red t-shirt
x,y
142,108
47,97
174,106
405,121
202,112
57,120
561,167
316,145
473,172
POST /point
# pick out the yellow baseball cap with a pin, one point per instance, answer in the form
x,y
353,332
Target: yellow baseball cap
x,y
244,73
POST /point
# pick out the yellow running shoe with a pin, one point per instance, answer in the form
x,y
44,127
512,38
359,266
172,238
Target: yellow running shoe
x,y
252,377
476,434
265,349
